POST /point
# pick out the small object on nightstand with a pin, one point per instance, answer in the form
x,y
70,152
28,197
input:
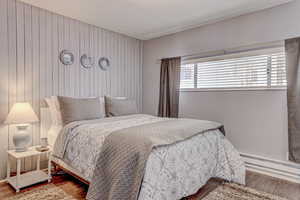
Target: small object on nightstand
x,y
29,178
42,149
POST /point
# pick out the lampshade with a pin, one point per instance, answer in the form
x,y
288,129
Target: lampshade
x,y
21,113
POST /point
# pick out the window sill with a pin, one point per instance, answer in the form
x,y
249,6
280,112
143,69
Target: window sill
x,y
231,89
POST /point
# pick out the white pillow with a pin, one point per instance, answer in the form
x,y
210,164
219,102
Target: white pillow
x,y
102,101
54,108
56,120
52,134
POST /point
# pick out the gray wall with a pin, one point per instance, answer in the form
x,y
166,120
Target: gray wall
x,y
30,42
255,120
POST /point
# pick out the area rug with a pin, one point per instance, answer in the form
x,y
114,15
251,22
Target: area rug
x,y
230,191
46,192
226,191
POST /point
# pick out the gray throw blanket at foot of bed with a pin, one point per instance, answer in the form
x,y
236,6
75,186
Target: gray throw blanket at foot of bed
x,y
121,164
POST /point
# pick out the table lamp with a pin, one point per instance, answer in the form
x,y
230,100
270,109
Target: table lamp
x,y
22,115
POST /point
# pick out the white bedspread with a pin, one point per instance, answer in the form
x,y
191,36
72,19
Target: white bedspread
x,y
172,171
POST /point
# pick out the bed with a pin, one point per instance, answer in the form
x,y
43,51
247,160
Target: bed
x,y
171,172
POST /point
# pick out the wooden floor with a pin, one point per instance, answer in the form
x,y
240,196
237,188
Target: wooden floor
x,y
254,180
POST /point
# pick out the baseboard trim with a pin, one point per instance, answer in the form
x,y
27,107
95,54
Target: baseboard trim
x,y
276,168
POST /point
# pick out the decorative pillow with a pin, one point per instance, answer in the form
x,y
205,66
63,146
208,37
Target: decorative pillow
x,y
118,106
74,109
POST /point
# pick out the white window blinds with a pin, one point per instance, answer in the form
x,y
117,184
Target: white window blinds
x,y
255,69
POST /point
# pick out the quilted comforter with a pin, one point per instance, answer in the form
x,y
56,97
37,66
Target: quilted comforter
x,y
171,172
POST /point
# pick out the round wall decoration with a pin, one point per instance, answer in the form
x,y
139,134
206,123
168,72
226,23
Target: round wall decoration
x,y
66,57
87,62
104,63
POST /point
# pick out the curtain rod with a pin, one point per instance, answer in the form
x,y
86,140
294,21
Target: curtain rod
x,y
241,49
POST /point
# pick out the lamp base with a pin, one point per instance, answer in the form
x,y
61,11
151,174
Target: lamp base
x,y
21,138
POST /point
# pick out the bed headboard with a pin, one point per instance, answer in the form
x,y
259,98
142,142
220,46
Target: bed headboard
x,y
45,121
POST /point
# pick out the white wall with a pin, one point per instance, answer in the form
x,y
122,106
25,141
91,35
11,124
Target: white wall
x,y
31,40
256,120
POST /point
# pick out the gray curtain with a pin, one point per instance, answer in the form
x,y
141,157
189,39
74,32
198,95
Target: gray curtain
x,y
292,48
169,87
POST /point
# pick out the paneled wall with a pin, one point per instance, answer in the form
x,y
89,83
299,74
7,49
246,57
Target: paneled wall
x,y
30,42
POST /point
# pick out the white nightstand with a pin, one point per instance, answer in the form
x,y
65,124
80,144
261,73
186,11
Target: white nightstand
x,y
29,178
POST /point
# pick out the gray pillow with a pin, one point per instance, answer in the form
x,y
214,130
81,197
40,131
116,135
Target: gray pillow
x,y
118,106
74,109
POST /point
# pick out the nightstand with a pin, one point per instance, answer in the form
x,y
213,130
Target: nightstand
x,y
29,178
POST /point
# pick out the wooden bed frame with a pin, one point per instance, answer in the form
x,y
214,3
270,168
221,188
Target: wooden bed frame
x,y
58,167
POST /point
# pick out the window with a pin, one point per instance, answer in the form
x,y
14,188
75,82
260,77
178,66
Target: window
x,y
253,69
